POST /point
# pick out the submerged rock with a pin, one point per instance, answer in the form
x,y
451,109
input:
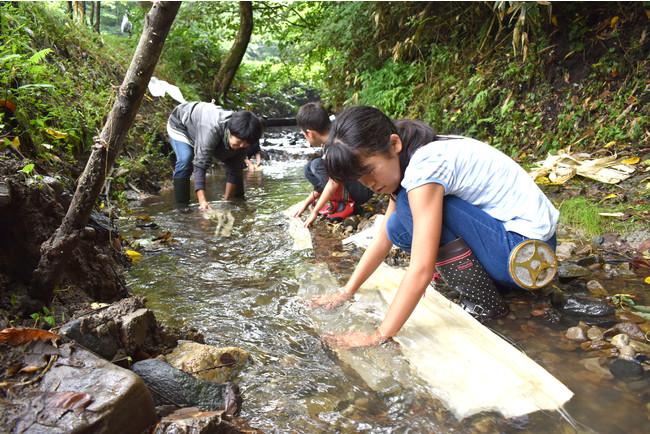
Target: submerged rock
x,y
568,270
580,306
628,328
626,370
206,362
173,385
195,421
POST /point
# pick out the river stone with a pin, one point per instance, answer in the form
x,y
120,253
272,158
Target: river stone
x,y
565,250
596,288
136,326
568,270
596,366
629,317
171,384
590,260
596,345
594,334
100,341
573,305
640,347
191,420
627,352
576,334
626,370
121,403
629,328
645,326
206,362
620,340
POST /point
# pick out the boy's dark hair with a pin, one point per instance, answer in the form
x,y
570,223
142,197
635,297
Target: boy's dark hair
x,y
364,131
246,126
313,116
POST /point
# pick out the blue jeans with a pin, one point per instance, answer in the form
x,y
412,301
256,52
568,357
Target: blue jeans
x,y
485,235
184,156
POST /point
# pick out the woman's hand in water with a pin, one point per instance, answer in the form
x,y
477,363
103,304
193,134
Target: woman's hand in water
x,y
351,340
329,301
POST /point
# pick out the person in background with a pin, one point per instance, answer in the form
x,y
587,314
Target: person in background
x,y
332,199
457,205
201,131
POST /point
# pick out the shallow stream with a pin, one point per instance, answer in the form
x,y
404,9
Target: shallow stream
x,y
243,290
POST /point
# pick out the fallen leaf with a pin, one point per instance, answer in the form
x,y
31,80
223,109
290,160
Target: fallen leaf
x,y
15,336
74,401
632,160
640,263
611,214
163,237
647,280
644,245
133,254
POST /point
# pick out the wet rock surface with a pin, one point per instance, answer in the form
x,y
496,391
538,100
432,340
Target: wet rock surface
x,y
76,391
173,386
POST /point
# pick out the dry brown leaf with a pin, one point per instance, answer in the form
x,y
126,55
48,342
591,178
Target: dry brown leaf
x,y
74,401
163,237
644,246
15,336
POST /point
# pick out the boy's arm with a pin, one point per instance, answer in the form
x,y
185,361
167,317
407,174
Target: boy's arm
x,y
325,197
312,196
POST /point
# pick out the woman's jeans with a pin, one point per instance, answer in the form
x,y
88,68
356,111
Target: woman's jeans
x,y
184,156
485,235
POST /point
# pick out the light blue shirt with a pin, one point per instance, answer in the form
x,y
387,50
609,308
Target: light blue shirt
x,y
487,178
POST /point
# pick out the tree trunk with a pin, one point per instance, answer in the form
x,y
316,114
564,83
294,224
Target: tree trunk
x,y
55,251
82,12
97,15
92,14
230,64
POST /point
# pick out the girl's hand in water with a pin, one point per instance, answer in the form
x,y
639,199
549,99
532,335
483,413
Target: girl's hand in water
x,y
204,206
310,220
329,301
350,340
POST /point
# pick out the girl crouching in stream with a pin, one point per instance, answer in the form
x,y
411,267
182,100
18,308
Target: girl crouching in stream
x,y
455,202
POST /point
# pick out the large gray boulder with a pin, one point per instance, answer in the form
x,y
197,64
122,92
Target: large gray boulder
x,y
81,392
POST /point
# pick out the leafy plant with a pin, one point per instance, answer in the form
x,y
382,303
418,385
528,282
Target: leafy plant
x,y
47,316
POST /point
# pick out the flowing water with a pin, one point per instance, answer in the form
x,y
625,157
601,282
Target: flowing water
x,y
244,290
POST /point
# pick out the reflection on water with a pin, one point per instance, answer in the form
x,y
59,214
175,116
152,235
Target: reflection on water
x,y
242,290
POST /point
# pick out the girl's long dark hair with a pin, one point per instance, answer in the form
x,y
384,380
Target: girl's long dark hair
x,y
363,131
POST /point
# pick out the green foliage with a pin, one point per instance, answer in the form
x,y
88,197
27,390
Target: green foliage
x,y
46,316
389,88
581,212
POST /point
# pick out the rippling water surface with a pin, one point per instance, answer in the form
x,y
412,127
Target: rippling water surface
x,y
243,291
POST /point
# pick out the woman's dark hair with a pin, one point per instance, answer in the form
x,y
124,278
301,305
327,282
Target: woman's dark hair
x,y
245,126
362,131
414,134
